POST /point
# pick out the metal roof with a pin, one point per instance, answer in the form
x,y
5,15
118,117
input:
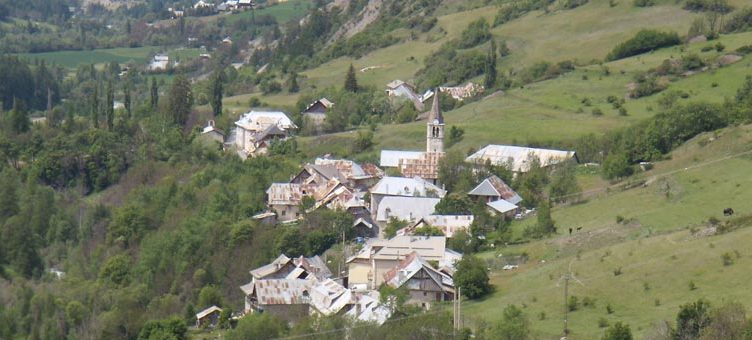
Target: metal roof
x,y
518,158
270,268
502,206
413,264
402,186
405,208
260,120
205,312
428,247
391,158
494,186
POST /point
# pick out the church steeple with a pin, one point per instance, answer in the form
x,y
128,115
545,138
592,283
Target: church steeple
x,y
435,128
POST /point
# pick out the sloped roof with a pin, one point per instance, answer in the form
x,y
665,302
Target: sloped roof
x,y
391,158
369,309
407,208
270,268
281,291
402,186
329,297
350,169
314,265
396,83
202,314
428,247
285,194
259,120
411,265
325,102
271,131
518,157
502,206
494,186
448,224
435,113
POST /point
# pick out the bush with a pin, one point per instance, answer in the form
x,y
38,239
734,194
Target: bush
x,y
475,34
573,303
618,331
597,112
727,259
571,4
602,322
644,41
740,21
643,3
718,6
472,277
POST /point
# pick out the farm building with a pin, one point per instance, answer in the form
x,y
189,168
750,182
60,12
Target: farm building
x,y
315,113
494,189
208,317
519,158
211,132
255,131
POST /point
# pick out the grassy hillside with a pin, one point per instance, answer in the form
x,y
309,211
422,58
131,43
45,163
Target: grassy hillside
x,y
138,55
553,111
657,251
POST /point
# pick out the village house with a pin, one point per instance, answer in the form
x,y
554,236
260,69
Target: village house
x,y
405,208
201,4
448,224
245,4
367,268
461,93
399,88
315,113
160,62
211,132
422,164
368,308
493,189
255,131
424,284
408,188
208,318
284,199
295,288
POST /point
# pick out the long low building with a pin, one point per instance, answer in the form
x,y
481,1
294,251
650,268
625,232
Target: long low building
x,y
519,158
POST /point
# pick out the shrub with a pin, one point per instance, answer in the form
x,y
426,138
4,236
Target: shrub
x,y
719,6
618,331
617,271
619,219
588,302
720,47
644,3
597,112
739,22
692,285
573,303
644,41
602,322
571,4
727,259
475,34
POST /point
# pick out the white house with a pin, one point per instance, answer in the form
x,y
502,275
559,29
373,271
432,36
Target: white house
x,y
256,129
160,62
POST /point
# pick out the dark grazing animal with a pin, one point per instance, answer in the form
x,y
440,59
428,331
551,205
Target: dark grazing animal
x,y
728,212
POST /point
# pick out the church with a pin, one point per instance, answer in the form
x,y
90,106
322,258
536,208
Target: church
x,y
416,163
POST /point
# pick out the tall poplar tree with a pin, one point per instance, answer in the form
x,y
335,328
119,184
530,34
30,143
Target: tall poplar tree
x,y
110,106
154,91
180,100
351,82
217,87
95,106
490,79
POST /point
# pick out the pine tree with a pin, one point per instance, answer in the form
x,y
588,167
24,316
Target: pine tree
x,y
216,92
351,82
180,100
490,80
19,117
95,107
110,106
294,88
154,99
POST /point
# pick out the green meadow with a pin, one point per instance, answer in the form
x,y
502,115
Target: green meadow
x,y
138,55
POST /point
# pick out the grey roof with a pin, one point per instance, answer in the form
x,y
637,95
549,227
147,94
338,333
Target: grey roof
x,y
270,268
402,186
502,206
411,265
518,157
391,158
495,187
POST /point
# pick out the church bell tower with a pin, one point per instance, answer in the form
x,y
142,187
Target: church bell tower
x,y
435,128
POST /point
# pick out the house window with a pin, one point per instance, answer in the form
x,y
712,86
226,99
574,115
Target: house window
x,y
425,293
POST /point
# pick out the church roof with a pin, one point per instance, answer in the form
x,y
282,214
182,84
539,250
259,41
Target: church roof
x,y
435,114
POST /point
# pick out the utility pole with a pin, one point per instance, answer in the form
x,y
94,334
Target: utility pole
x,y
566,277
457,311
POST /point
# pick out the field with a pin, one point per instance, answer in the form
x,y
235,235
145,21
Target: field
x,y
283,12
657,249
138,55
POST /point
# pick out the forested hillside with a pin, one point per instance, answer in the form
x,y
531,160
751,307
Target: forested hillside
x,y
118,219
